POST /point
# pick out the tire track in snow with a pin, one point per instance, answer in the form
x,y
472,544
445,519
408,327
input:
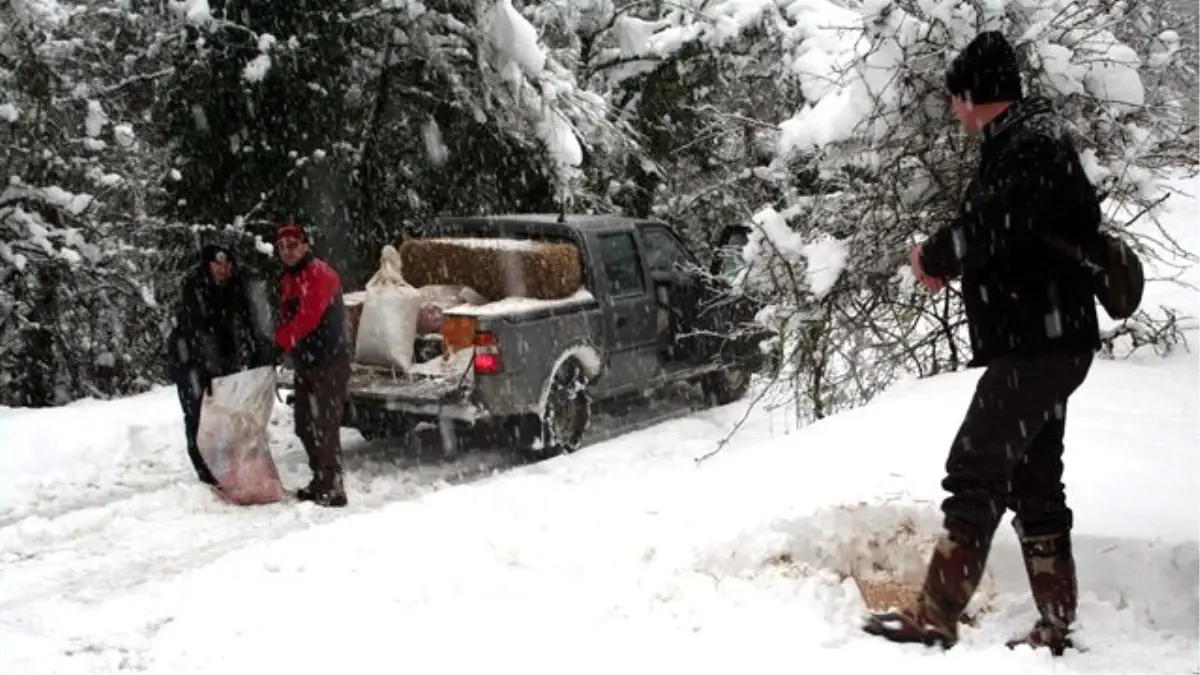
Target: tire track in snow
x,y
96,551
110,541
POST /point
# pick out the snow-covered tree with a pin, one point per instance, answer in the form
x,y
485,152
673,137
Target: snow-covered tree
x,y
876,126
702,84
78,314
364,118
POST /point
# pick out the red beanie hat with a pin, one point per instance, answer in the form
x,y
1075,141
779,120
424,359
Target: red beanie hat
x,y
290,229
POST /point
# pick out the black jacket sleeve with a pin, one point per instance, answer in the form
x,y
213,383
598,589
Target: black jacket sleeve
x,y
259,323
196,337
1004,213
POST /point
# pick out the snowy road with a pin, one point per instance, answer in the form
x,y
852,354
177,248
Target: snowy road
x,y
129,512
97,528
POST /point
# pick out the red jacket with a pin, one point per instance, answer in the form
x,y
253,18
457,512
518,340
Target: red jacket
x,y
312,326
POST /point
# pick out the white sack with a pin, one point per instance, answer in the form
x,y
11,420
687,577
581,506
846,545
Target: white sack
x,y
387,328
232,438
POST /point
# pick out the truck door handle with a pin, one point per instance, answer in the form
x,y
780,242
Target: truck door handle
x,y
622,320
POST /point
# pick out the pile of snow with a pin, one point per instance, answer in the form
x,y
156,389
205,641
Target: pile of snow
x,y
622,555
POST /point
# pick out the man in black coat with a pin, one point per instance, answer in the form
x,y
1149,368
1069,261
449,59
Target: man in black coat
x,y
1032,321
223,326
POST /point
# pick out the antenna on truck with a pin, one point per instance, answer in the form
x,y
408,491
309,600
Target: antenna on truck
x,y
562,208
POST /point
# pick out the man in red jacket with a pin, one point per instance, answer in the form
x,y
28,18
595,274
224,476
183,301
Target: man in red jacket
x,y
312,329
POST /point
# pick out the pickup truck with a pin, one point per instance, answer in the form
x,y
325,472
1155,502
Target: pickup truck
x,y
649,314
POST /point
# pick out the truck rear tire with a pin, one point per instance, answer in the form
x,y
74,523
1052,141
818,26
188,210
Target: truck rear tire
x,y
383,426
560,427
726,386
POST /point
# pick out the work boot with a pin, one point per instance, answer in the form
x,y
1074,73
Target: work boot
x,y
954,574
1050,565
325,489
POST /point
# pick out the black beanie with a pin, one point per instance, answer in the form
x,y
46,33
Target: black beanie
x,y
212,252
986,71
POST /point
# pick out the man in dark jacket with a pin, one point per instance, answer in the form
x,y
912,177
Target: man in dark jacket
x,y
1032,323
312,329
223,326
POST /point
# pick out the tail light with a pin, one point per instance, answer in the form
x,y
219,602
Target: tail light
x,y
460,332
487,355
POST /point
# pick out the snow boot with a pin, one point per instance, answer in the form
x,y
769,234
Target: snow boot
x,y
325,489
1050,565
953,575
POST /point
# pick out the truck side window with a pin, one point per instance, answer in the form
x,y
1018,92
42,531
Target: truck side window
x,y
730,256
622,266
663,252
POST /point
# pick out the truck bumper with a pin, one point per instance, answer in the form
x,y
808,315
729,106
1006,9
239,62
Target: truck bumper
x,y
374,392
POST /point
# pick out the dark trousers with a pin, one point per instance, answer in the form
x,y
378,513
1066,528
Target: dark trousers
x,y
319,403
1008,453
191,395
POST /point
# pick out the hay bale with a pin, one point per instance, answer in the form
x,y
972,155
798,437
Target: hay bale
x,y
884,595
881,595
495,268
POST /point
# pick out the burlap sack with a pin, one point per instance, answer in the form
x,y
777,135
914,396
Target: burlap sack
x,y
495,268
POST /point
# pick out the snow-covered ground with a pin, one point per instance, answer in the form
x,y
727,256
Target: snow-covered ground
x,y
625,555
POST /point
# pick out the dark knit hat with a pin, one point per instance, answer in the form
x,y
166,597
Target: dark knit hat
x,y
216,253
290,229
986,71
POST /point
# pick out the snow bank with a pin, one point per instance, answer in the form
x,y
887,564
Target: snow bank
x,y
87,451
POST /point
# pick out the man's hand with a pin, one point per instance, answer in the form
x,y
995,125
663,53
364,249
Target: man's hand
x,y
204,379
265,355
931,284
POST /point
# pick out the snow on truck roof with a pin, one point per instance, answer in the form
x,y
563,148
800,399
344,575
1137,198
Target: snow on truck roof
x,y
533,221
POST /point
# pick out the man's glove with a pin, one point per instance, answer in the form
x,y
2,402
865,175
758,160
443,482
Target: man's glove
x,y
931,284
204,380
265,355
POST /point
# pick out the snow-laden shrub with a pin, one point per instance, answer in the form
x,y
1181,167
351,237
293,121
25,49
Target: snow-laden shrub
x,y
876,126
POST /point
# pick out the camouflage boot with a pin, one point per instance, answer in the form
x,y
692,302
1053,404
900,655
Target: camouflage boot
x,y
1050,565
954,574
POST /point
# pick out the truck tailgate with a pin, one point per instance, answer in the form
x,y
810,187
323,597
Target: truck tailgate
x,y
383,388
